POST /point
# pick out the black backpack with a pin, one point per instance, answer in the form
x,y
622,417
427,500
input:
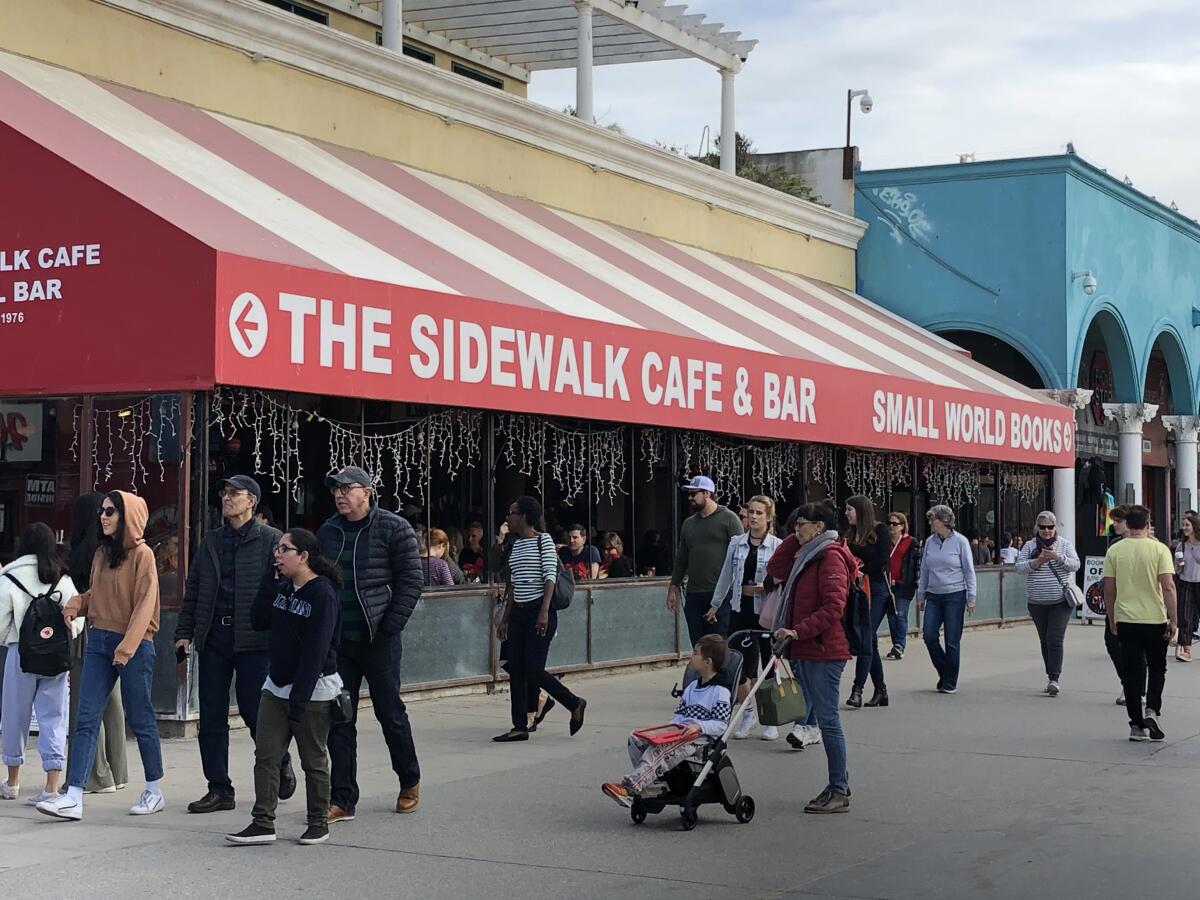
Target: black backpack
x,y
856,618
45,639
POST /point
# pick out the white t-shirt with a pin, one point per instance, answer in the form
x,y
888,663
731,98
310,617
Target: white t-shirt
x,y
1008,556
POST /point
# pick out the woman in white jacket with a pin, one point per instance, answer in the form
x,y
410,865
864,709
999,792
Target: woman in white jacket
x,y
38,571
741,585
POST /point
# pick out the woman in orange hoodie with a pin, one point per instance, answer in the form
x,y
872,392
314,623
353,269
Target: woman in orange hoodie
x,y
121,609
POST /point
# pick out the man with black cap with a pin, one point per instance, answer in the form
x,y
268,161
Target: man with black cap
x,y
381,584
229,570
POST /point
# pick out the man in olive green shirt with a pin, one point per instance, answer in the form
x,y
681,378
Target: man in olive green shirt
x,y
703,542
1139,596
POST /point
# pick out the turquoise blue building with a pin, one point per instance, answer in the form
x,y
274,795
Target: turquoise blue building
x,y
1063,276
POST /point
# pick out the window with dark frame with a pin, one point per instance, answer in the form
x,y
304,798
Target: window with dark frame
x,y
476,75
299,9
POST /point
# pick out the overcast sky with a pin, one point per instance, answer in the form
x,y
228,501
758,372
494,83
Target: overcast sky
x,y
1119,79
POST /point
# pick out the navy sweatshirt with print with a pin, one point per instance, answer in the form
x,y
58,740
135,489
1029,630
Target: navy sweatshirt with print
x,y
305,626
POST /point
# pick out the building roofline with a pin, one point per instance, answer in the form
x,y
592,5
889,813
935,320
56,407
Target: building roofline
x,y
1060,164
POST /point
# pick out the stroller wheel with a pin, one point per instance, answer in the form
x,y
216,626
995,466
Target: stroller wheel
x,y
745,809
687,818
637,812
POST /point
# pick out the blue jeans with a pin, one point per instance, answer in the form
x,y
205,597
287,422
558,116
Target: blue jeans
x,y
96,682
945,610
810,717
824,680
873,663
898,622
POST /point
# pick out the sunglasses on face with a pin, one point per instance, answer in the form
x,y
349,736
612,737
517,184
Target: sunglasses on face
x,y
107,511
1045,528
896,524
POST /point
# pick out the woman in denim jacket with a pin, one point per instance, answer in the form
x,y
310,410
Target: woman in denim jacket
x,y
740,584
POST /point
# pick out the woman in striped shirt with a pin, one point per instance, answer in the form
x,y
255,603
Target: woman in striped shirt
x,y
1049,562
529,621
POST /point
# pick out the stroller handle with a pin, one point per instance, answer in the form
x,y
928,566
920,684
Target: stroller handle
x,y
777,647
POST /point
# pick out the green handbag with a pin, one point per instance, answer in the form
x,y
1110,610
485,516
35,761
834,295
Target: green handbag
x,y
779,699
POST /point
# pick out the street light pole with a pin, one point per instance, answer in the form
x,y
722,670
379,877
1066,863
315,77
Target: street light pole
x,y
865,104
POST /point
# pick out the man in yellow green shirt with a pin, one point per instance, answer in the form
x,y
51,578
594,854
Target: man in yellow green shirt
x,y
1139,595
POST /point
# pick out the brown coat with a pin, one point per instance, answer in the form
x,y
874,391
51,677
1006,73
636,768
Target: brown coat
x,y
124,599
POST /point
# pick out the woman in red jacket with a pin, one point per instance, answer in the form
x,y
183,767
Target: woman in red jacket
x,y
815,568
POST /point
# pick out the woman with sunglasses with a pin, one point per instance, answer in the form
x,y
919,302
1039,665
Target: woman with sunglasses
x,y
121,608
868,541
529,621
304,621
904,565
1048,562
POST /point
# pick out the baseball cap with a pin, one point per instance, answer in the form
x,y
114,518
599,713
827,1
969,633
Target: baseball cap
x,y
700,483
242,483
349,475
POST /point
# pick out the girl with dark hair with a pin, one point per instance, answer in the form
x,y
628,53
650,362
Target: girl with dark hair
x,y
870,544
121,606
37,571
110,772
305,627
529,622
1187,565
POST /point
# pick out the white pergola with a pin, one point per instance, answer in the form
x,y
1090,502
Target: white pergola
x,y
578,34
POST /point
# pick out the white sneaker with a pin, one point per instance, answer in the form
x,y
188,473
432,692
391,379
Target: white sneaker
x,y
748,722
770,733
811,735
9,791
41,796
1052,688
148,804
61,807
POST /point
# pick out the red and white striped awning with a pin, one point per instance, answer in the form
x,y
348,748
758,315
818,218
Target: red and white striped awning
x,y
374,240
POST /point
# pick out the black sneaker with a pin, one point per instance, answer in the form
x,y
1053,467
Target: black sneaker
x,y
1151,721
315,834
287,781
252,834
211,802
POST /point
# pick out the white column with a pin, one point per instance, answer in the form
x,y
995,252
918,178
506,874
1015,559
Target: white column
x,y
393,26
728,124
583,62
1130,417
1063,480
1186,430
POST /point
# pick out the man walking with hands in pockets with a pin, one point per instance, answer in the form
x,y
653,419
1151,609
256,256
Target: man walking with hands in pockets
x,y
381,584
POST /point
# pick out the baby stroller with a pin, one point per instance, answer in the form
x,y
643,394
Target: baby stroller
x,y
692,784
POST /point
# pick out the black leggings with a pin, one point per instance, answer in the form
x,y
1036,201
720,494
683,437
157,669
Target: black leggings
x,y
527,651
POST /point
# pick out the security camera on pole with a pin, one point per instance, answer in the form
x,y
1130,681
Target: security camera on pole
x,y
866,104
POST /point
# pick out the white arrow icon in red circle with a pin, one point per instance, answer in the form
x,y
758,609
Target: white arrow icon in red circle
x,y
248,324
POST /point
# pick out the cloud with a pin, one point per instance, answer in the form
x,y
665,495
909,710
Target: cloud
x,y
1118,79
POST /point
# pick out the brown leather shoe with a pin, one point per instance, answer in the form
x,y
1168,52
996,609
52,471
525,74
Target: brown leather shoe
x,y
408,799
337,814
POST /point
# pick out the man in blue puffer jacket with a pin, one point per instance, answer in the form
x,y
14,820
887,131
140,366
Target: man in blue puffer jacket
x,y
381,584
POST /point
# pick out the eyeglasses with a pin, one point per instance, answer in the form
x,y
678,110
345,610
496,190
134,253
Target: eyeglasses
x,y
230,493
281,549
343,489
107,511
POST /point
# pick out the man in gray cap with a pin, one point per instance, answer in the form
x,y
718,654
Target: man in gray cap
x,y
230,568
381,584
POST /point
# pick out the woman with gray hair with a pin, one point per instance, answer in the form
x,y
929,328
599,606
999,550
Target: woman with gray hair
x,y
946,592
1049,563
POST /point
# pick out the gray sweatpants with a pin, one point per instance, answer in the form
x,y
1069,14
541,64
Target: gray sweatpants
x,y
1051,620
25,694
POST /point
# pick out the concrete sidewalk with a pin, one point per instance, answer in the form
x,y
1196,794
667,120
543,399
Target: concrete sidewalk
x,y
998,791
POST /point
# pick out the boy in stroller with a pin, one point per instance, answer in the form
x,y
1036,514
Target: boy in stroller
x,y
701,716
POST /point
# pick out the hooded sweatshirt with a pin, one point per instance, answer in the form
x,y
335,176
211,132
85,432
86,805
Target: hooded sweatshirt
x,y
124,599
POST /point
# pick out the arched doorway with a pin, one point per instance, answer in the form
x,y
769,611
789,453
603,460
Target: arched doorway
x,y
999,355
